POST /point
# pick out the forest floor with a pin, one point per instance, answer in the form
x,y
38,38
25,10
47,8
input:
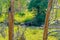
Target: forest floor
x,y
32,33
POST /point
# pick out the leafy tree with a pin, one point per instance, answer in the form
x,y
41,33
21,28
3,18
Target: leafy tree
x,y
4,5
40,6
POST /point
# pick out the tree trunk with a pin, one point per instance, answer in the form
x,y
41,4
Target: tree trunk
x,y
11,20
19,5
45,35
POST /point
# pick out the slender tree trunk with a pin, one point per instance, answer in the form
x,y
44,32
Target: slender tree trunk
x,y
11,20
19,9
45,35
19,5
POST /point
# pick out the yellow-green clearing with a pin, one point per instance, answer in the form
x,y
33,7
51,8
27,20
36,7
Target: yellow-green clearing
x,y
31,33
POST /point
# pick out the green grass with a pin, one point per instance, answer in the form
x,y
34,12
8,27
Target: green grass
x,y
31,34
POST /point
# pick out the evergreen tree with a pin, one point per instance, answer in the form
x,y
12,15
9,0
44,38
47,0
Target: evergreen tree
x,y
40,6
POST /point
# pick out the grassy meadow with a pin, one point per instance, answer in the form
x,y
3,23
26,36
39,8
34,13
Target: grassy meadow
x,y
31,33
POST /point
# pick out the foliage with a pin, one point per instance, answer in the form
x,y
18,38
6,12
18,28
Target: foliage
x,y
3,17
40,6
5,5
22,17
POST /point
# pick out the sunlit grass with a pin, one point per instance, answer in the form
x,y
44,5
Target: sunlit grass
x,y
31,34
